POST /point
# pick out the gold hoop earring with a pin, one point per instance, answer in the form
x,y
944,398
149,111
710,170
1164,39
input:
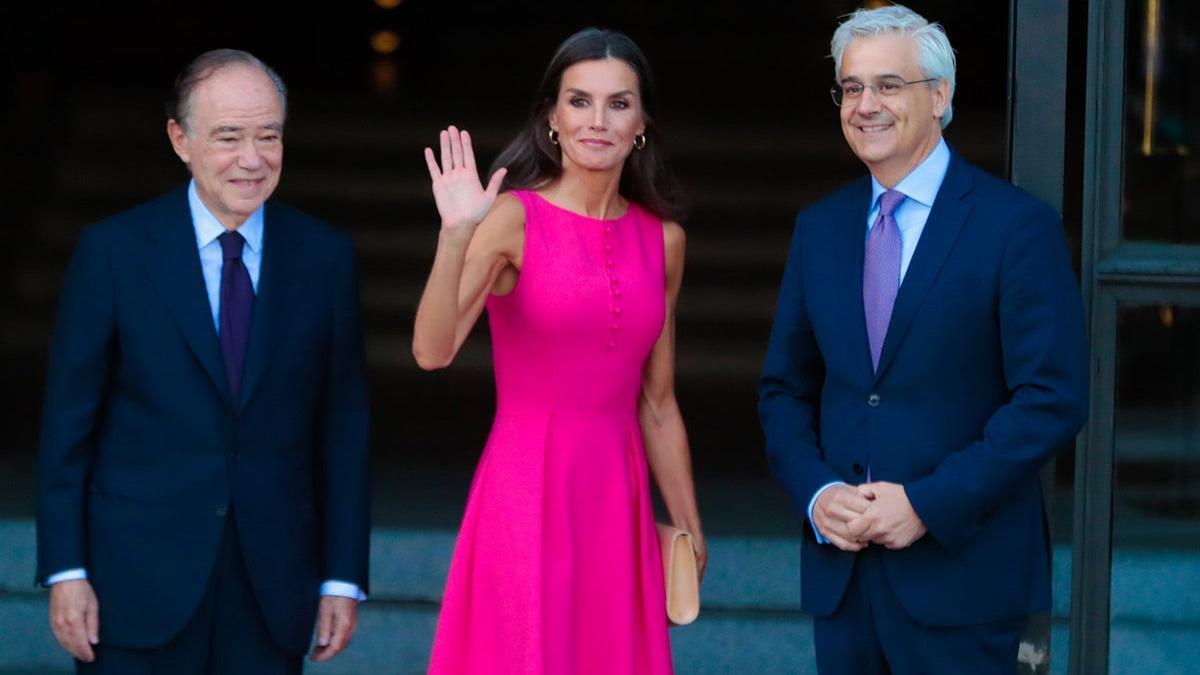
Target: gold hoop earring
x,y
553,136
639,141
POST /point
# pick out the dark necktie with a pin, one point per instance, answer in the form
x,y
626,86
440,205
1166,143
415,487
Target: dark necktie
x,y
881,272
237,307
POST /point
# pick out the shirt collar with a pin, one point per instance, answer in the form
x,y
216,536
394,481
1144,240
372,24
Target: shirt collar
x,y
208,228
922,183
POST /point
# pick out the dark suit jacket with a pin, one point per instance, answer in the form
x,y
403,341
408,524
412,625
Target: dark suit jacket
x,y
983,376
144,456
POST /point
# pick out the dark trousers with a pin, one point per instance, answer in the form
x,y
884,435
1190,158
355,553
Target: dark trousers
x,y
872,634
226,636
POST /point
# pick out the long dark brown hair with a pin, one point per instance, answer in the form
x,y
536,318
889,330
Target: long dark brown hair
x,y
533,161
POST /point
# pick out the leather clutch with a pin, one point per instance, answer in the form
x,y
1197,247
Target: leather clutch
x,y
681,575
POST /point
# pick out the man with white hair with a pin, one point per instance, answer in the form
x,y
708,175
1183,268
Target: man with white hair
x,y
928,356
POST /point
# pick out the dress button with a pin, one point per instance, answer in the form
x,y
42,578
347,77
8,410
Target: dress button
x,y
858,469
608,264
611,344
616,327
616,311
221,511
873,400
616,292
608,248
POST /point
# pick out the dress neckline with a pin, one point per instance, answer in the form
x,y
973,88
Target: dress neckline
x,y
623,216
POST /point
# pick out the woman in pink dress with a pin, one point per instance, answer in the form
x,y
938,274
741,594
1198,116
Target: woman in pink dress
x,y
557,567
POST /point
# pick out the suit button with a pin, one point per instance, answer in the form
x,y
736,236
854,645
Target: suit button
x,y
858,469
873,400
221,511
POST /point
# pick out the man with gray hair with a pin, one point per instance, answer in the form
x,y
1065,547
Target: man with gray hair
x,y
927,358
202,469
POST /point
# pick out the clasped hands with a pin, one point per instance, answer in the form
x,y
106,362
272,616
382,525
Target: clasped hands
x,y
851,517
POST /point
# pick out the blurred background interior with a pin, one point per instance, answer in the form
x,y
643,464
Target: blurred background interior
x,y
745,111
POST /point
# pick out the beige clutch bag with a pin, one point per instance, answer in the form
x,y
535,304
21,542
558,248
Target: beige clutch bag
x,y
681,575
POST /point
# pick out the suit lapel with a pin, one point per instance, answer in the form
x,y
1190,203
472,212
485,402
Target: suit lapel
x,y
274,285
946,219
175,269
851,249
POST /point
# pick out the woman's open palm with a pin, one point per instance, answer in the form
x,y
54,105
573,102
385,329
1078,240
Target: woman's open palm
x,y
461,199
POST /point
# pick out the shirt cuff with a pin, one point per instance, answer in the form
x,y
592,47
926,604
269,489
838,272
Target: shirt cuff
x,y
67,575
812,504
343,589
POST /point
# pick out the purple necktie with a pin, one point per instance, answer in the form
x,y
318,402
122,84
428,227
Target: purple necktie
x,y
881,272
237,306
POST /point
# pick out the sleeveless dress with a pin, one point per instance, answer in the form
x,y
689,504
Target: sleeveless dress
x,y
557,568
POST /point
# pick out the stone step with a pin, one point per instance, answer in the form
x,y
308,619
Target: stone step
x,y
395,638
751,617
751,621
403,251
38,283
386,187
133,119
746,574
703,164
405,240
361,127
698,356
354,153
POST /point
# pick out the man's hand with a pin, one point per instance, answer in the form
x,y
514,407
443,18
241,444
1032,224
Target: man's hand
x,y
889,520
337,617
75,617
837,507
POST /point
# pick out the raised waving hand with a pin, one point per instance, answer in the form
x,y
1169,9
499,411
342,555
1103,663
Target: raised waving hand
x,y
461,199
479,238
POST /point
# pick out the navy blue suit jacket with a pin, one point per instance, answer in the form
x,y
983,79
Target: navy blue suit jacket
x,y
144,456
983,376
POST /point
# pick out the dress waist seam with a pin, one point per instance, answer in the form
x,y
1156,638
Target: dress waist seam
x,y
518,412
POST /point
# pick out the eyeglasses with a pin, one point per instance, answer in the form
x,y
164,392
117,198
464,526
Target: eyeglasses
x,y
884,86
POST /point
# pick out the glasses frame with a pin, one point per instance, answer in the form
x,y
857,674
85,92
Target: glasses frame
x,y
835,92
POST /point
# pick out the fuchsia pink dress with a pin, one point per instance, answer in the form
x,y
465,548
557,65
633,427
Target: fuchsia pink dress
x,y
557,568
